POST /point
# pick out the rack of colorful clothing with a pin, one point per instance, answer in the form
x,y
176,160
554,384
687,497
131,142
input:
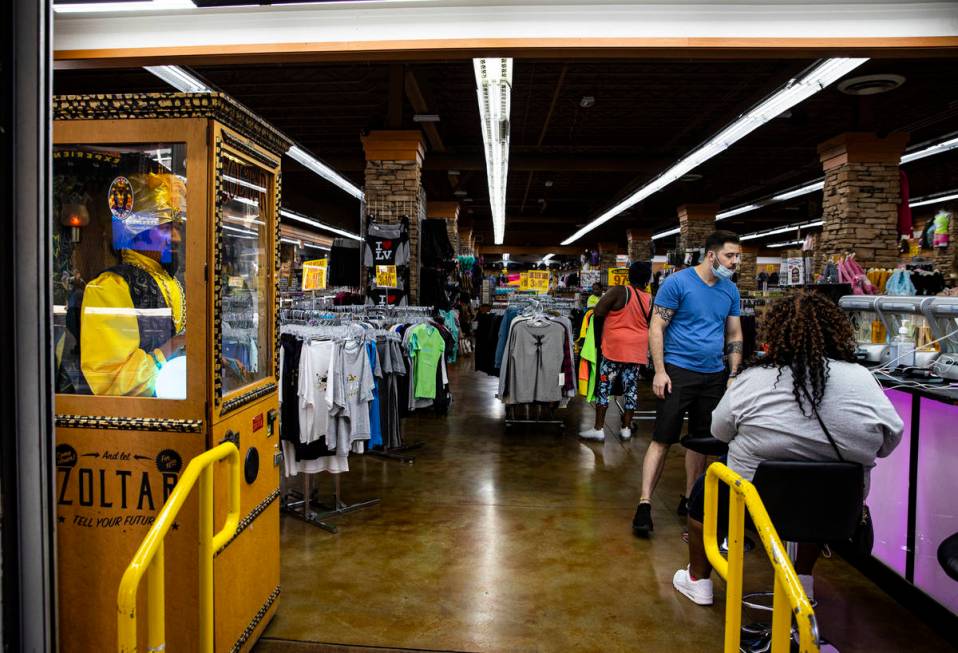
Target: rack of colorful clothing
x,y
918,277
326,396
536,366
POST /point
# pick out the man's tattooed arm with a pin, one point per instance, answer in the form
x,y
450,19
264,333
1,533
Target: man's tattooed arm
x,y
734,347
665,313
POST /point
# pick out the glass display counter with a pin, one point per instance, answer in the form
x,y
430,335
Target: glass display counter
x,y
164,292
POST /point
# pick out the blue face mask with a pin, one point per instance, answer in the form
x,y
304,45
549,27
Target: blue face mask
x,y
721,271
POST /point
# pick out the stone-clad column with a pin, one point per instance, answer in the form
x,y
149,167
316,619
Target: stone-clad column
x,y
640,246
394,187
696,223
748,268
860,204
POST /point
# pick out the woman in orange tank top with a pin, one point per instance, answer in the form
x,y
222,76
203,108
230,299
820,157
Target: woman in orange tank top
x,y
623,316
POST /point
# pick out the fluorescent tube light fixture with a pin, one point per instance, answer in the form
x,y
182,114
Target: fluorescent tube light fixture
x,y
179,79
801,190
793,93
782,230
736,211
312,246
925,201
494,91
787,244
299,217
665,234
302,156
931,150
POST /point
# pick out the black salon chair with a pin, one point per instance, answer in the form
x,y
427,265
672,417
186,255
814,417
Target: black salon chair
x,y
806,502
948,556
708,445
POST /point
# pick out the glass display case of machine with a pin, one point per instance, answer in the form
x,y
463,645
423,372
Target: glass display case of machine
x,y
165,269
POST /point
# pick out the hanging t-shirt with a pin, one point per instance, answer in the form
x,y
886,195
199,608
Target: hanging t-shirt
x,y
313,376
386,244
375,425
348,393
426,347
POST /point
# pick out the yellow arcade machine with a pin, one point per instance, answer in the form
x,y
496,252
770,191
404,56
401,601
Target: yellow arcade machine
x,y
165,268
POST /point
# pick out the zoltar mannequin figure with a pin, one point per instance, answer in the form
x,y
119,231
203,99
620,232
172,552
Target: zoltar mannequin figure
x,y
133,316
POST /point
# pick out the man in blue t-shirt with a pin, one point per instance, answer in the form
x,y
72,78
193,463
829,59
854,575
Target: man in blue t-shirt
x,y
694,323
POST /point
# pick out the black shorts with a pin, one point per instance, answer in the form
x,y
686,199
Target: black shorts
x,y
696,393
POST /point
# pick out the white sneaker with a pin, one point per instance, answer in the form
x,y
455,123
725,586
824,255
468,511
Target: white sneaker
x,y
592,434
697,591
808,584
625,433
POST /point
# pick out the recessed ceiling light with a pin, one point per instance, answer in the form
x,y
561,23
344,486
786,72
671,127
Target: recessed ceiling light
x,y
871,84
587,101
549,184
453,173
461,193
425,117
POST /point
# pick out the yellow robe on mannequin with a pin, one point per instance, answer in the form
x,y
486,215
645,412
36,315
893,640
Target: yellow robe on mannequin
x,y
110,354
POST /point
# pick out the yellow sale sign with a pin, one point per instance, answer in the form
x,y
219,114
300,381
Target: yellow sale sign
x,y
386,276
618,276
539,281
314,274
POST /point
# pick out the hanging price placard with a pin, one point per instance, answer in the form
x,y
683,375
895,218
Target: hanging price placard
x,y
386,276
314,274
539,281
618,276
524,282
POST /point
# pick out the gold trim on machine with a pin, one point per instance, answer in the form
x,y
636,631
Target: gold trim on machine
x,y
217,106
257,618
250,518
243,399
277,253
248,150
218,271
130,423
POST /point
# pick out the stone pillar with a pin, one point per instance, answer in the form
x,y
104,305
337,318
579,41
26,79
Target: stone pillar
x,y
860,204
640,244
748,268
448,211
607,254
696,223
466,245
394,187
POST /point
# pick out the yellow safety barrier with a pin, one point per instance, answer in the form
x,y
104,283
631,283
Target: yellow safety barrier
x,y
789,596
149,557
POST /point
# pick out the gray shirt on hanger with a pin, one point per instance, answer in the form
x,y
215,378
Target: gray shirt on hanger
x,y
760,419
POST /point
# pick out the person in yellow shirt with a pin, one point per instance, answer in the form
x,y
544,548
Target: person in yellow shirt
x,y
133,315
595,296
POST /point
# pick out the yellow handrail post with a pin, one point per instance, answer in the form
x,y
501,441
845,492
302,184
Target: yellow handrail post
x,y
156,603
789,596
736,564
206,561
150,559
781,618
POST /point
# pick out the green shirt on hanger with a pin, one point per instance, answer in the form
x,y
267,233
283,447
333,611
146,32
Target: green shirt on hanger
x,y
426,348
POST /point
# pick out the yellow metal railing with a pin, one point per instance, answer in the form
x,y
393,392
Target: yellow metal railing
x,y
149,557
789,597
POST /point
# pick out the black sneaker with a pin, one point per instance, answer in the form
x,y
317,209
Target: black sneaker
x,y
683,508
642,522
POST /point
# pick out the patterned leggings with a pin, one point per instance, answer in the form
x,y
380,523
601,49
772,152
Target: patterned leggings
x,y
608,370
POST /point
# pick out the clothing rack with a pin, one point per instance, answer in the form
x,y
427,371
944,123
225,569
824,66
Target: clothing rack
x,y
304,512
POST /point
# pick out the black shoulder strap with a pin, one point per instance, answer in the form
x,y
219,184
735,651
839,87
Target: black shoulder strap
x,y
822,424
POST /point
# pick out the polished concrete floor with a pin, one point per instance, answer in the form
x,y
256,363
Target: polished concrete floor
x,y
520,540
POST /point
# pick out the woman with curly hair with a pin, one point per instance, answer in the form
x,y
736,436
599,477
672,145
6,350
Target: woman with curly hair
x,y
768,413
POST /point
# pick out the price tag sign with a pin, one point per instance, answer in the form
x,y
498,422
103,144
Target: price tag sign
x,y
539,281
524,282
618,276
386,276
314,274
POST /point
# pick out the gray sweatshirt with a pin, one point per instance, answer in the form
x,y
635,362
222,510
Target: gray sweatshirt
x,y
760,419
